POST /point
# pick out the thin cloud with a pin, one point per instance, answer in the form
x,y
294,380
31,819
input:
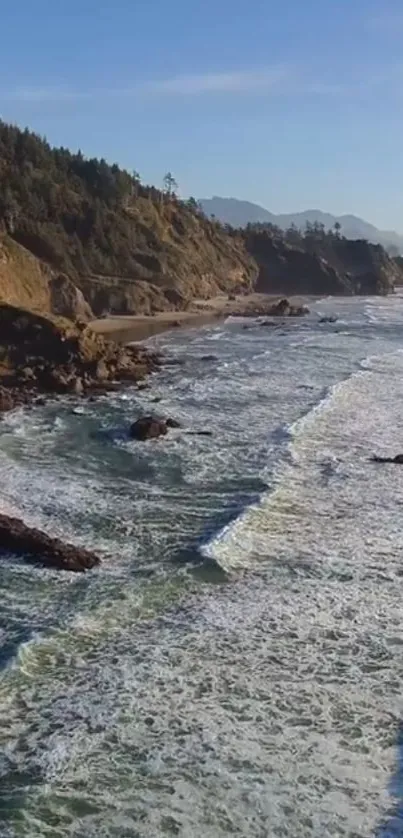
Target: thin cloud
x,y
257,81
281,80
234,82
44,94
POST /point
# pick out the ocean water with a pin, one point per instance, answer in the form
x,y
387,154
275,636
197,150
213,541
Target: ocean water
x,y
235,667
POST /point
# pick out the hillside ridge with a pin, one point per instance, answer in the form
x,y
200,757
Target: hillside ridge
x,y
240,213
83,239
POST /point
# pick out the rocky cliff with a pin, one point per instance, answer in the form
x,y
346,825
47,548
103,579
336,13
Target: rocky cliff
x,y
320,264
127,247
81,238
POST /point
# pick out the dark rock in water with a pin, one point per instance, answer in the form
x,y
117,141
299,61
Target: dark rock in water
x,y
266,323
199,433
172,423
285,309
209,358
331,319
298,311
268,308
172,362
282,308
34,545
398,459
148,427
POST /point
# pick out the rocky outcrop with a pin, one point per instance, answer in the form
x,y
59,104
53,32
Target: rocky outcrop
x,y
68,300
265,307
52,355
286,309
35,546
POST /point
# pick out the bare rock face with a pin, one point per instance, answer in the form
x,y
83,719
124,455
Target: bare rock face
x,y
67,300
37,547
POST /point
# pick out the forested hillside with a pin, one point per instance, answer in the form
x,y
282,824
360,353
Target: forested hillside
x,y
99,225
105,242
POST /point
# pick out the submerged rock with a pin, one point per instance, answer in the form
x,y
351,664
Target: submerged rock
x,y
36,546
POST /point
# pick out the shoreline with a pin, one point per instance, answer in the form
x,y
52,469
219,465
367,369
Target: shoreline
x,y
138,328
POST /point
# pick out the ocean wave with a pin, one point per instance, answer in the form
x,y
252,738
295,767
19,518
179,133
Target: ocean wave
x,y
272,702
246,540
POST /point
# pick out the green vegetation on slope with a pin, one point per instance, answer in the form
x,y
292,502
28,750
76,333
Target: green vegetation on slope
x,y
94,221
109,244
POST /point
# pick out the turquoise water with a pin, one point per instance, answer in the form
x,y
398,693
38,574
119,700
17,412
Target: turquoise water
x,y
235,666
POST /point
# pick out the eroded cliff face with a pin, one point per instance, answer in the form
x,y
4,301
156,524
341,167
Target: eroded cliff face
x,y
179,256
191,259
23,279
333,266
197,264
29,282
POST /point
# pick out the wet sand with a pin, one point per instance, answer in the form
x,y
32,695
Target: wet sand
x,y
125,329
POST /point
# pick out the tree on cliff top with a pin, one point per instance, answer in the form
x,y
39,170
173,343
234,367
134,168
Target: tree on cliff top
x,y
81,215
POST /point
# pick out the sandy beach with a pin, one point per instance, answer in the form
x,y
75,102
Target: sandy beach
x,y
124,329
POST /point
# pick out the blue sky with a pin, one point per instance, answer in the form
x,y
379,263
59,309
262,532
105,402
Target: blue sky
x,y
293,104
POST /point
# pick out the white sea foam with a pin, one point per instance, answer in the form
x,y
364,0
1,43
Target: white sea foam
x,y
268,706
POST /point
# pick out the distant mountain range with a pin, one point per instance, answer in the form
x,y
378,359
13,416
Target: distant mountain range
x,y
240,213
